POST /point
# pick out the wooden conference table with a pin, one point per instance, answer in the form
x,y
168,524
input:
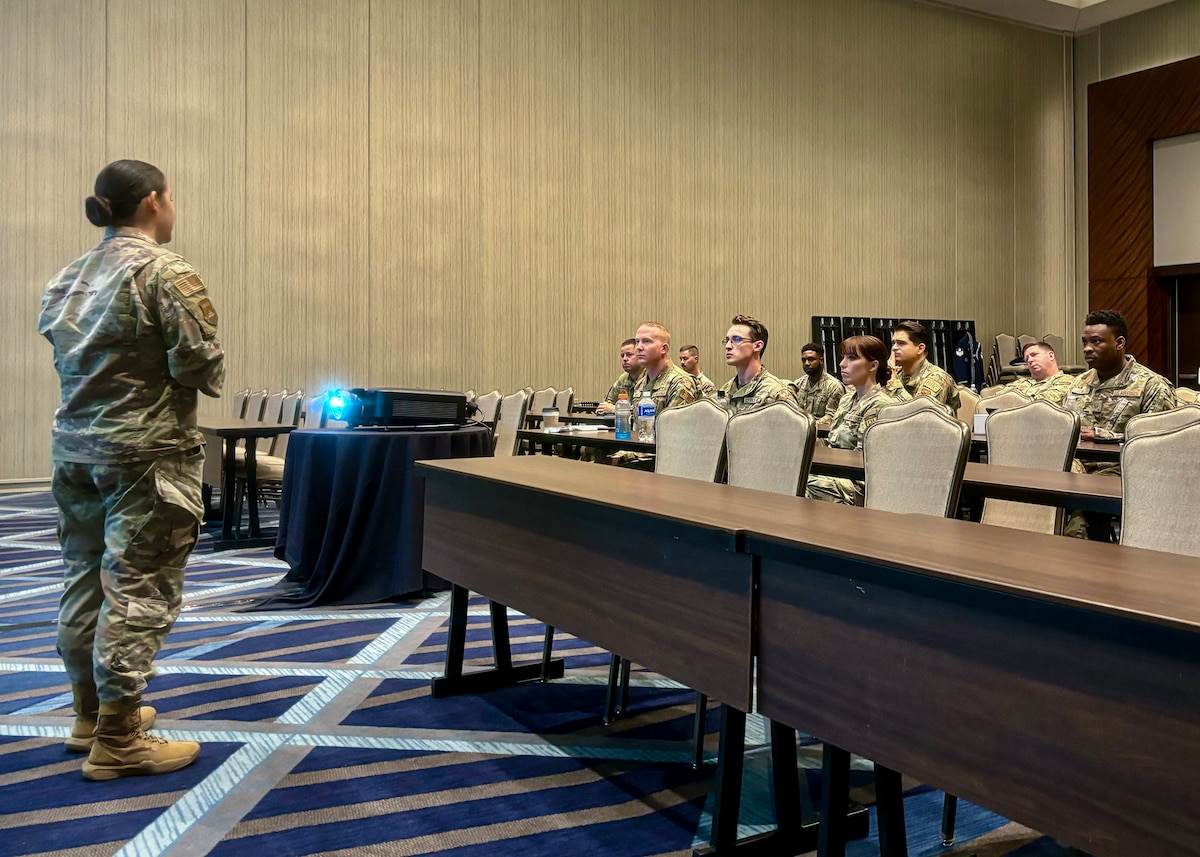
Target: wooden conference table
x,y
1088,492
1051,680
224,432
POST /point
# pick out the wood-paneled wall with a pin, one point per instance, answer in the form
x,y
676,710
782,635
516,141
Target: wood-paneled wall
x,y
489,193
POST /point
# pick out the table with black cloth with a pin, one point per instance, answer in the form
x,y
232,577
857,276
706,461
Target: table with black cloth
x,y
352,512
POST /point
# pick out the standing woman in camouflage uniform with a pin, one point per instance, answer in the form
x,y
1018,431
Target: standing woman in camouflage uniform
x,y
134,336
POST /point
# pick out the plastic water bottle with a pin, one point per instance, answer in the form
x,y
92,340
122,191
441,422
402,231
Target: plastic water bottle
x,y
645,416
623,412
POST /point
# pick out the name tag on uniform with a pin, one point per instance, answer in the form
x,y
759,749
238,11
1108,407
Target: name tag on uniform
x,y
751,400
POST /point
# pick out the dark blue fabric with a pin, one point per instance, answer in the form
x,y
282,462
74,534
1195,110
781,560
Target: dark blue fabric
x,y
350,521
968,362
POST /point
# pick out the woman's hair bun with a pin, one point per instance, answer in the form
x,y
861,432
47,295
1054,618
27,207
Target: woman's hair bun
x,y
99,211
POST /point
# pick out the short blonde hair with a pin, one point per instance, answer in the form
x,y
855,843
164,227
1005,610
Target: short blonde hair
x,y
662,327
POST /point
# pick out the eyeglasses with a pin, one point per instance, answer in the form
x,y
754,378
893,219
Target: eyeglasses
x,y
736,340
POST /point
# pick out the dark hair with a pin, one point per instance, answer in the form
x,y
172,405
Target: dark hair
x,y
1040,344
632,342
690,348
1109,317
868,348
915,330
120,189
758,330
814,346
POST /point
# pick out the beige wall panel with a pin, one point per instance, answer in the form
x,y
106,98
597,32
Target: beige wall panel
x,y
424,201
307,193
524,317
1086,70
52,143
191,123
1044,238
1157,36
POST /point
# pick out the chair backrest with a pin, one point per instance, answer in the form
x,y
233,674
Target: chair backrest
x,y
915,464
470,394
1057,345
1187,395
1160,491
239,403
254,406
1039,435
543,398
1001,402
771,449
528,392
489,407
273,407
994,390
1023,340
1162,421
967,401
512,418
690,441
289,415
565,400
1006,349
900,410
313,411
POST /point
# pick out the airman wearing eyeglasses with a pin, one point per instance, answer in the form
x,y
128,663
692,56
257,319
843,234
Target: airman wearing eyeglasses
x,y
752,387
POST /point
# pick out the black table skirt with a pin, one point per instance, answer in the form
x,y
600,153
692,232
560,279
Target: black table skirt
x,y
351,516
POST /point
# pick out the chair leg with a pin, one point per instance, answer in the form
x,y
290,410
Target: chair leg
x,y
949,810
623,705
698,730
610,698
547,651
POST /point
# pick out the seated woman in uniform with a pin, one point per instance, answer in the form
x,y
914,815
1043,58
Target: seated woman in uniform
x,y
864,367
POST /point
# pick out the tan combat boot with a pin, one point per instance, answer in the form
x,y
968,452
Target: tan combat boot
x,y
86,706
123,749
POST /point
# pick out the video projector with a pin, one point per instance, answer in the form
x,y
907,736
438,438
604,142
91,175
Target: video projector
x,y
401,408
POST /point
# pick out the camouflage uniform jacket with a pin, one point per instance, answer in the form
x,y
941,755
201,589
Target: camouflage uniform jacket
x,y
854,415
134,336
705,388
1107,405
624,384
1053,389
673,387
821,397
930,381
761,390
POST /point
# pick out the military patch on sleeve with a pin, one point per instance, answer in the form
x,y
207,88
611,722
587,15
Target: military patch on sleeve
x,y
210,314
190,284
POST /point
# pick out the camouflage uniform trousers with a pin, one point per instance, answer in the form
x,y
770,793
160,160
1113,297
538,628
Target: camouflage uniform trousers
x,y
126,533
835,489
1092,525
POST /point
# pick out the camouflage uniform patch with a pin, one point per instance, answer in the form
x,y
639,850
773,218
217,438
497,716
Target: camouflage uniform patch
x,y
624,384
820,397
760,391
673,387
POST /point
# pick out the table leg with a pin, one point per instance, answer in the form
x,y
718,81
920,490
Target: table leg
x,y
835,797
252,488
889,810
228,483
503,674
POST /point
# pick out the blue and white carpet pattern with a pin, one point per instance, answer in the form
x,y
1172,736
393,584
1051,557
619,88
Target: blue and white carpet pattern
x,y
320,737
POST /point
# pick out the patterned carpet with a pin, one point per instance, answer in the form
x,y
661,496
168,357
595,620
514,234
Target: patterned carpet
x,y
320,737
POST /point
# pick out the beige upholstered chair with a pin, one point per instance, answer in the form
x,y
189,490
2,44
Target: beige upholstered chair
x,y
771,449
1059,347
1001,402
1005,353
1160,491
272,408
1162,421
994,390
289,414
690,441
543,398
470,394
1187,395
489,407
967,402
1023,340
512,417
565,400
1039,435
914,463
239,403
